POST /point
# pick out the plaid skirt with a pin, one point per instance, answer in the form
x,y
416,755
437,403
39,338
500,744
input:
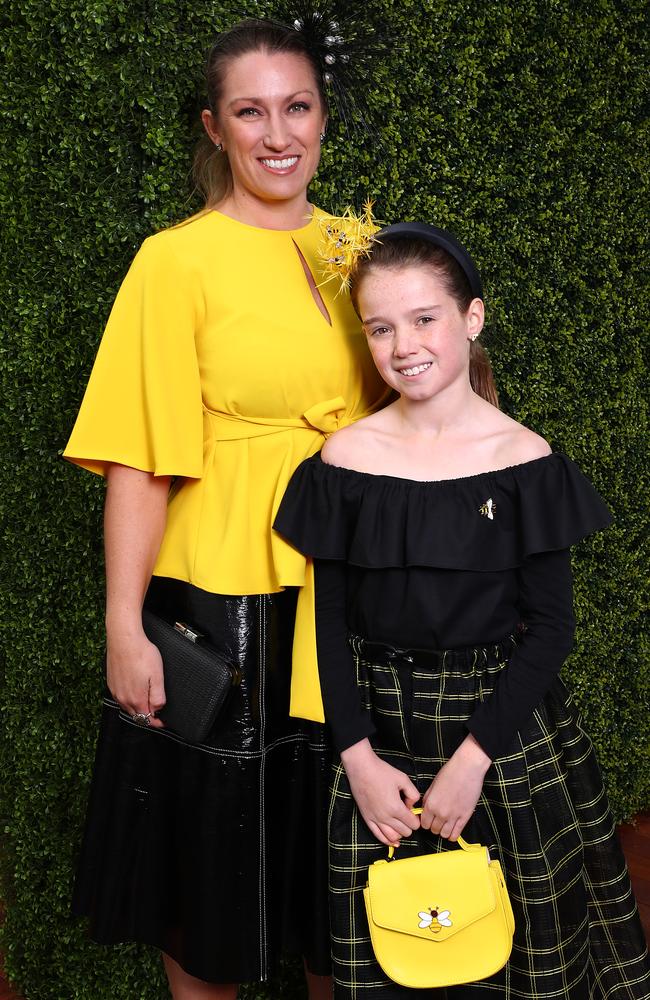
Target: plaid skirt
x,y
543,813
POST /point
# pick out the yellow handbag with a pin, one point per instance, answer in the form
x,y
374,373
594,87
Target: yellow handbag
x,y
439,919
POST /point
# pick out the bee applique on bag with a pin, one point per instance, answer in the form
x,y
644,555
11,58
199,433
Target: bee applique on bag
x,y
439,919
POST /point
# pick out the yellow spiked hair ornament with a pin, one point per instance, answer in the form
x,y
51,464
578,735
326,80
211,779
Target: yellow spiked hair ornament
x,y
345,238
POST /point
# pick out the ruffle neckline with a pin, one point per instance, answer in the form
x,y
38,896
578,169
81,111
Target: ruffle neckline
x,y
490,521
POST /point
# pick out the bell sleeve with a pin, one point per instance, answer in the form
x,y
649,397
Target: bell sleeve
x,y
142,407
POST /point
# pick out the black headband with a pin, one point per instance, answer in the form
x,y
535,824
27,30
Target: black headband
x,y
439,238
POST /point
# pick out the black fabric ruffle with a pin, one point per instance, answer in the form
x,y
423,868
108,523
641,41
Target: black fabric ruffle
x,y
377,522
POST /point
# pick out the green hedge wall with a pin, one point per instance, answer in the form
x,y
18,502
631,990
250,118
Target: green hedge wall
x,y
519,126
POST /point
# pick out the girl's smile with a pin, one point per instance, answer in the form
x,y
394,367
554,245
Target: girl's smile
x,y
418,337
413,372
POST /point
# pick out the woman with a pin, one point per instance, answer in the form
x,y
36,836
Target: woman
x,y
221,368
441,531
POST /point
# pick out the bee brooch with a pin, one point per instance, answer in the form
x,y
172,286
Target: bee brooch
x,y
434,919
487,509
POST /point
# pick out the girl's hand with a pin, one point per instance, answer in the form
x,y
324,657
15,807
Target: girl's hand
x,y
134,674
378,788
451,797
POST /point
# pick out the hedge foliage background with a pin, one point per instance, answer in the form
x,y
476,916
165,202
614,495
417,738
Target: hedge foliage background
x,y
516,124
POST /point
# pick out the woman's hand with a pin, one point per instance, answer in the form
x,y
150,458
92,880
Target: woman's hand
x,y
378,788
134,674
451,798
134,523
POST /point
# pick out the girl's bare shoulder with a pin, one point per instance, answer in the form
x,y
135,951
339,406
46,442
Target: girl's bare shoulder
x,y
351,446
515,444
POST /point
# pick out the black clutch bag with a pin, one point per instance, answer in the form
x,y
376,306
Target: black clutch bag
x,y
198,678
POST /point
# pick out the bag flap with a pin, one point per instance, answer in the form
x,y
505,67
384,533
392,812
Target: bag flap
x,y
433,896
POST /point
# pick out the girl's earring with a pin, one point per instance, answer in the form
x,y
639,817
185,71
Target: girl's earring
x,y
473,337
218,146
323,136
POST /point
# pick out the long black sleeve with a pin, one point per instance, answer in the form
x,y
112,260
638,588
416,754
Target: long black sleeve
x,y
348,720
546,606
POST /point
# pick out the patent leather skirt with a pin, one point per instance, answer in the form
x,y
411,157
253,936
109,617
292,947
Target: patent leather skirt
x,y
215,853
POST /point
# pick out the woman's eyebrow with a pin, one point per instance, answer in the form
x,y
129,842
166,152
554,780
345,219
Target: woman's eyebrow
x,y
260,100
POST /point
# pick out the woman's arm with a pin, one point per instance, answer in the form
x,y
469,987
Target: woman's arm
x,y
134,523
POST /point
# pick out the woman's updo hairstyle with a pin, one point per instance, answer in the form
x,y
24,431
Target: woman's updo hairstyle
x,y
404,251
211,170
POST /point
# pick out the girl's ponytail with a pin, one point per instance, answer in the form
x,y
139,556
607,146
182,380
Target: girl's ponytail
x,y
481,376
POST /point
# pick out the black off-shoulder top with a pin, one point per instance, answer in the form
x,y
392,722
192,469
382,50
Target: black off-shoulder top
x,y
443,565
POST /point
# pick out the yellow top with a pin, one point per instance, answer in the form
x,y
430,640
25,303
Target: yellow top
x,y
217,367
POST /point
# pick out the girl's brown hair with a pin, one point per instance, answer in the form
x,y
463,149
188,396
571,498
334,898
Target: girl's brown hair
x,y
211,169
403,252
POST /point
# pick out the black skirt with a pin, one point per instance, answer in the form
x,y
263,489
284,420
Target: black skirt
x,y
543,813
216,853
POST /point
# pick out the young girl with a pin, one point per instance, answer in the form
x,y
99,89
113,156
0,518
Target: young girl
x,y
440,532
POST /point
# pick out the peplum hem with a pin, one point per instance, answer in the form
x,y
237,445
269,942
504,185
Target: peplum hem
x,y
489,522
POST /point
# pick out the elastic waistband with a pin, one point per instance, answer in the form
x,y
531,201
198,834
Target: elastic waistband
x,y
431,659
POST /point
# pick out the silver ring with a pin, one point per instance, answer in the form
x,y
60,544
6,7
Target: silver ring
x,y
141,719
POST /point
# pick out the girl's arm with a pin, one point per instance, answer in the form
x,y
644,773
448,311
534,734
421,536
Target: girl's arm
x,y
348,720
546,607
546,612
383,793
134,522
377,787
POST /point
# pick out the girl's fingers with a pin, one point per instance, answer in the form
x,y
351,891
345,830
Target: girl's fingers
x,y
427,818
457,830
392,836
376,832
447,828
402,829
406,821
409,791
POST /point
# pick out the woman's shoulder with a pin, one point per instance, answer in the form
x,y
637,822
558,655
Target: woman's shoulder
x,y
181,238
174,259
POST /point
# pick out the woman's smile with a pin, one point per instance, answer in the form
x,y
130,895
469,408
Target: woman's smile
x,y
285,165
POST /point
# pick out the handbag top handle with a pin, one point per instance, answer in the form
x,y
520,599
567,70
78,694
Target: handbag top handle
x,y
471,848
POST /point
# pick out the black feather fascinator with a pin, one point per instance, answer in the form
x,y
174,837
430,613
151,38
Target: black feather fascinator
x,y
346,44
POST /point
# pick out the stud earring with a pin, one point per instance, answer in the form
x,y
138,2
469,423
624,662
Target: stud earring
x,y
323,136
473,337
218,146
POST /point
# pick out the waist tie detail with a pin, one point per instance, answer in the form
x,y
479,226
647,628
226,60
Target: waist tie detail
x,y
322,418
